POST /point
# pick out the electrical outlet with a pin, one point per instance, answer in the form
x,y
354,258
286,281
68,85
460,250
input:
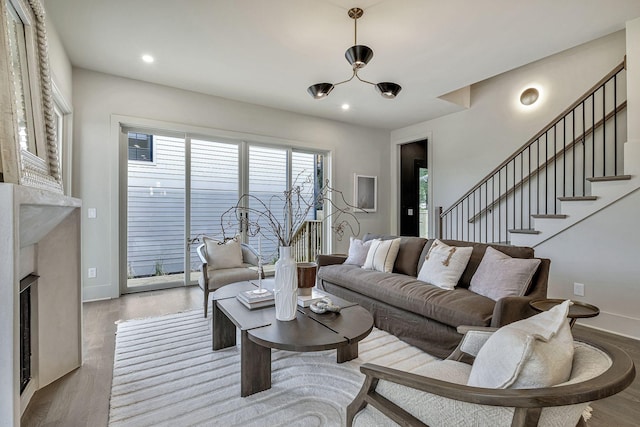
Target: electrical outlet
x,y
92,213
578,289
92,273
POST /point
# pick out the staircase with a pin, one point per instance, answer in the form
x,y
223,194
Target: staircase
x,y
571,169
307,241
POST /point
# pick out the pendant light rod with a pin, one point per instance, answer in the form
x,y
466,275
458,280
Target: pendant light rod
x,y
358,56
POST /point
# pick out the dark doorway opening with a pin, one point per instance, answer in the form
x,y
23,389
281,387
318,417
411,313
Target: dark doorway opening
x,y
413,189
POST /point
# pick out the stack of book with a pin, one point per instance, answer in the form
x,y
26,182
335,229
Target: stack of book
x,y
252,299
307,300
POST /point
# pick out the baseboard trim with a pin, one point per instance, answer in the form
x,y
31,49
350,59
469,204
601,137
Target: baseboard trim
x,y
628,327
101,292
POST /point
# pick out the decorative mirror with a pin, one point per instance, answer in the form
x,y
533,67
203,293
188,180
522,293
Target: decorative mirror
x,y
28,148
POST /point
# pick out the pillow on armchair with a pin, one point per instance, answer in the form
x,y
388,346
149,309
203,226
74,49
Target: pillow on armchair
x,y
531,353
222,255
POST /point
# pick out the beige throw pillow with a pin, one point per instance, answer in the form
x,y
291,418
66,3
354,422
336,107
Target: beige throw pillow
x,y
531,353
443,266
499,275
382,255
223,255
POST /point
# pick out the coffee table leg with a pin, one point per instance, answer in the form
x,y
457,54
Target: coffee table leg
x,y
255,366
347,352
223,333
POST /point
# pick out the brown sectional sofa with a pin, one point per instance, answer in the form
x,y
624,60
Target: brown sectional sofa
x,y
424,315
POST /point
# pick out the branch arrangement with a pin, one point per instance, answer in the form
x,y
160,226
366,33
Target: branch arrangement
x,y
281,215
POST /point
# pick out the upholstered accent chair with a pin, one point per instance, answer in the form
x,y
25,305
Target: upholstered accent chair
x,y
216,274
437,394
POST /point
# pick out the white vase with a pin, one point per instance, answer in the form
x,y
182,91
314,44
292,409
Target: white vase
x,y
286,286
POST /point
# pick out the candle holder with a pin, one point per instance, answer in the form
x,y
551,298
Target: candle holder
x,y
260,289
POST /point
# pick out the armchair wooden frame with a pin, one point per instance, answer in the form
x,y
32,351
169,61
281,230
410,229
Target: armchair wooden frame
x,y
528,403
200,250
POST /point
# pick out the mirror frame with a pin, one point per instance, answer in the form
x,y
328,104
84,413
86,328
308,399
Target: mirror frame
x,y
18,165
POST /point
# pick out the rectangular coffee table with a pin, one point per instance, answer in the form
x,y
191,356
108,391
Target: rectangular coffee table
x,y
260,332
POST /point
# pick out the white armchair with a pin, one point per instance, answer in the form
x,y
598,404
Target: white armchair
x,y
217,273
437,395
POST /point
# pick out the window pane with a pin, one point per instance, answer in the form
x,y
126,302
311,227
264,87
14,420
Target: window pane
x,y
155,212
267,181
214,188
140,147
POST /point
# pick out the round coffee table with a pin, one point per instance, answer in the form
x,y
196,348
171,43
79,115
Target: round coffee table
x,y
578,310
260,332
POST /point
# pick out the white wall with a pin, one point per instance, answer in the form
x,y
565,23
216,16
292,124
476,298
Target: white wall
x,y
98,97
59,62
599,252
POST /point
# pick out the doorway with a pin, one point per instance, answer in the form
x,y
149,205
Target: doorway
x,y
414,183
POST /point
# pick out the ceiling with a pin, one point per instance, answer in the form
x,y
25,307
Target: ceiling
x,y
269,52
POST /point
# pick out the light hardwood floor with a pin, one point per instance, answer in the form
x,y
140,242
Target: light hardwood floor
x,y
81,398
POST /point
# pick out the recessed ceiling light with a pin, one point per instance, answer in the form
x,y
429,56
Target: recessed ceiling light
x,y
147,58
345,106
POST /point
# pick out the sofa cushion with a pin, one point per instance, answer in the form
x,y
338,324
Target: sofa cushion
x,y
408,255
500,275
219,278
358,251
454,308
540,353
444,265
382,255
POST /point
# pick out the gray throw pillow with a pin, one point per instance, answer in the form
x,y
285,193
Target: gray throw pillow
x,y
357,251
499,275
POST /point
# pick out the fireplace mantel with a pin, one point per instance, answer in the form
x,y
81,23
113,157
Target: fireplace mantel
x,y
46,227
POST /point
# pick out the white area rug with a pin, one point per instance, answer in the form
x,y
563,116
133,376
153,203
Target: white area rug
x,y
165,374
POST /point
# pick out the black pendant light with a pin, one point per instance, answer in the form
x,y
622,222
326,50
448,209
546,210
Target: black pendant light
x,y
358,56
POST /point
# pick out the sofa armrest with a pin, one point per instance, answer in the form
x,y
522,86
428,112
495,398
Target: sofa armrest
x,y
511,309
330,259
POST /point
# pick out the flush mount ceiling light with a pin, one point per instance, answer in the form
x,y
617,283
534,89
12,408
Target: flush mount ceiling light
x,y
358,56
529,96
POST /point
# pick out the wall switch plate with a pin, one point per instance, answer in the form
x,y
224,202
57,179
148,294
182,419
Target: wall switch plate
x,y
92,273
578,289
92,213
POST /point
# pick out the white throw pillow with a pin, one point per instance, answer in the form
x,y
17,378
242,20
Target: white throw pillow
x,y
444,264
531,353
500,275
382,255
358,251
223,255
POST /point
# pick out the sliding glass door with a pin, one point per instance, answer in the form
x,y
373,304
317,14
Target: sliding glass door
x,y
155,211
215,183
176,189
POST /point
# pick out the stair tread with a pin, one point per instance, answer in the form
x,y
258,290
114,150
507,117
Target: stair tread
x,y
524,231
577,198
609,178
551,216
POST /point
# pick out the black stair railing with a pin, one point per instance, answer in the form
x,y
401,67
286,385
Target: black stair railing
x,y
583,142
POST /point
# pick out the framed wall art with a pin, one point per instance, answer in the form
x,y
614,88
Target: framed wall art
x,y
365,193
28,147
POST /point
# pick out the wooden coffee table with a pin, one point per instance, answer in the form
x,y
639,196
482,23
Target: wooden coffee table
x,y
260,332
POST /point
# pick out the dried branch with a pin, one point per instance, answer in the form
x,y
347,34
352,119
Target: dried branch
x,y
255,216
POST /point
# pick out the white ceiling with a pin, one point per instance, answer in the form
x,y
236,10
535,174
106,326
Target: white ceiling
x,y
268,52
